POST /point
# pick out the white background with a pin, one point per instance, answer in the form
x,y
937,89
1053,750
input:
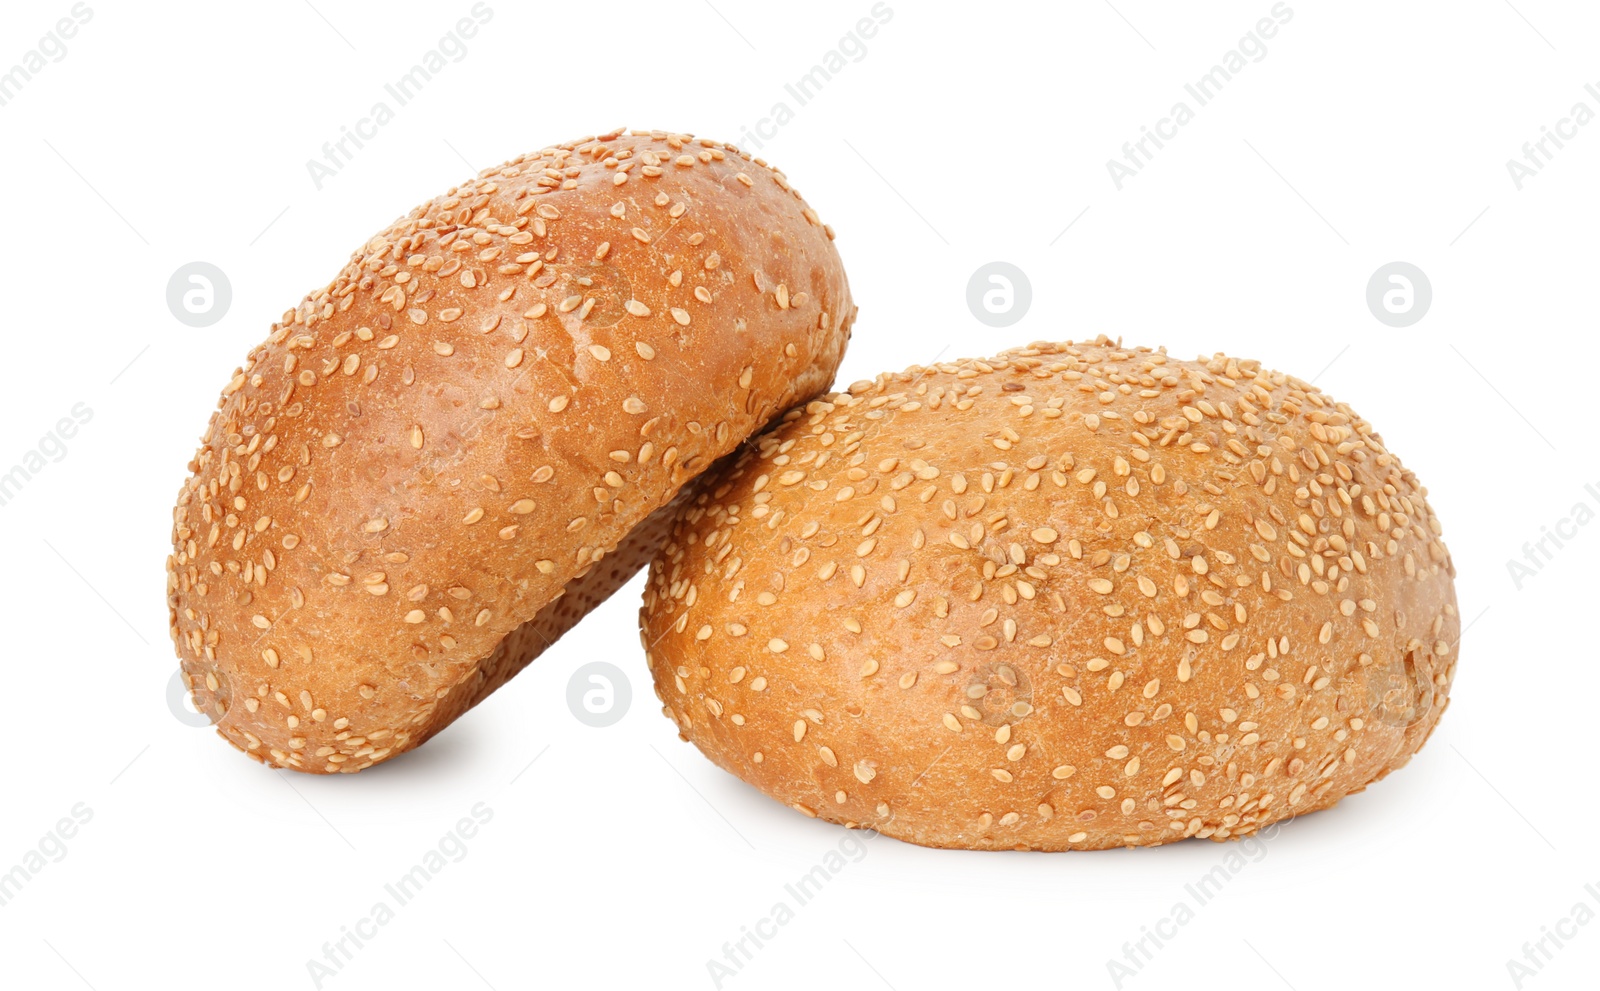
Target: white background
x,y
1370,132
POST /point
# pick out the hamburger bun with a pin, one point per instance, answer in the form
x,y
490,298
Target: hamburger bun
x,y
439,461
1077,596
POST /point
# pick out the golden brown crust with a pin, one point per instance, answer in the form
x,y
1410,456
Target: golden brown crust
x,y
477,410
1072,597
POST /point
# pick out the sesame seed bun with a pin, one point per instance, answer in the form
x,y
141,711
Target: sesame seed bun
x,y
437,463
1076,596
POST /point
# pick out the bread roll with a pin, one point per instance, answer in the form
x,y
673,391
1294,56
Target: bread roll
x,y
402,482
1077,596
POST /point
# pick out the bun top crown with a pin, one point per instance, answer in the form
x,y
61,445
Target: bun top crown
x,y
486,399
1073,596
